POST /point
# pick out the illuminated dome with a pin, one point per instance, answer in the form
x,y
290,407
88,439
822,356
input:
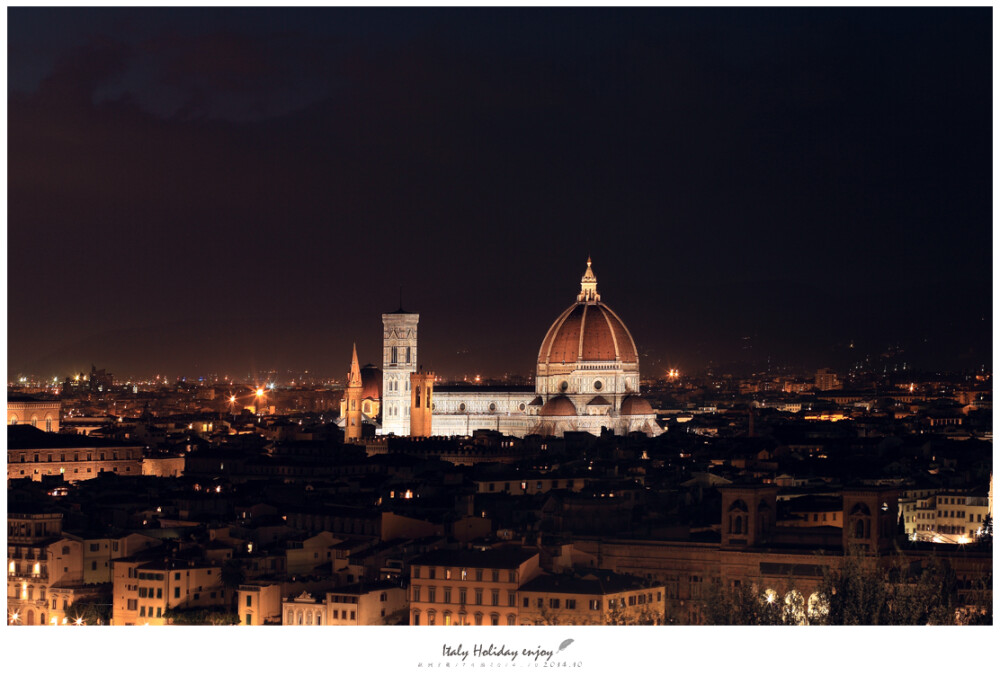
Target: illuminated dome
x,y
587,331
636,406
588,350
558,406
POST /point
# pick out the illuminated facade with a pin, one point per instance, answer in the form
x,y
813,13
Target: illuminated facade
x,y
953,517
587,380
421,404
352,399
371,393
470,587
376,603
23,409
144,590
592,598
399,359
34,454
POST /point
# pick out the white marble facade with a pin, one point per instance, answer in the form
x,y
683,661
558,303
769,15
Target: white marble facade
x,y
587,356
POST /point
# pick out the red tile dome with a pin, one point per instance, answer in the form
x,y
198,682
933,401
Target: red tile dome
x,y
588,331
558,406
635,406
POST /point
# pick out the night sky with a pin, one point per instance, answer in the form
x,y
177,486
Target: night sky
x,y
196,190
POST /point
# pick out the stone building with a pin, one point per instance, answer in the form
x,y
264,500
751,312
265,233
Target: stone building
x,y
32,453
587,379
24,409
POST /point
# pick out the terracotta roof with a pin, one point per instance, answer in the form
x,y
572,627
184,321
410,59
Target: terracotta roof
x,y
635,406
588,331
558,406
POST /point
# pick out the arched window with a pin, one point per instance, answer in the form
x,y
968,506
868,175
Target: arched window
x,y
861,521
738,513
48,425
34,422
13,420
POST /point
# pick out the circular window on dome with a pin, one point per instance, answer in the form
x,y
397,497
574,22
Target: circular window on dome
x,y
461,407
521,407
563,386
598,385
493,406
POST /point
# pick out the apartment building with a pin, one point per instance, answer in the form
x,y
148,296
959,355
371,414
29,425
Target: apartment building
x,y
477,587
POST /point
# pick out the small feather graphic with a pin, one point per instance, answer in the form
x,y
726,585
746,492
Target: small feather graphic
x,y
564,644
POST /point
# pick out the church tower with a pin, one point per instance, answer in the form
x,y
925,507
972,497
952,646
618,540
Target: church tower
x,y
399,360
352,396
421,404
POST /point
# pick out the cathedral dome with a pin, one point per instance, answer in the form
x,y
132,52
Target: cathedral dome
x,y
635,406
588,331
558,406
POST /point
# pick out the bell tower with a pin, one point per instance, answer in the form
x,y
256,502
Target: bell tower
x,y
399,359
352,400
748,514
870,518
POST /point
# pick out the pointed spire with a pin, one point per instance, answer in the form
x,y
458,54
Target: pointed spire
x,y
588,285
354,377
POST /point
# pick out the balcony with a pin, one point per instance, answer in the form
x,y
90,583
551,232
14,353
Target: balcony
x,y
42,577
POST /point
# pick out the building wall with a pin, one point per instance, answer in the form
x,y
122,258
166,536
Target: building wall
x,y
43,415
31,569
143,591
624,607
529,486
74,464
467,596
944,516
421,404
163,467
259,604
